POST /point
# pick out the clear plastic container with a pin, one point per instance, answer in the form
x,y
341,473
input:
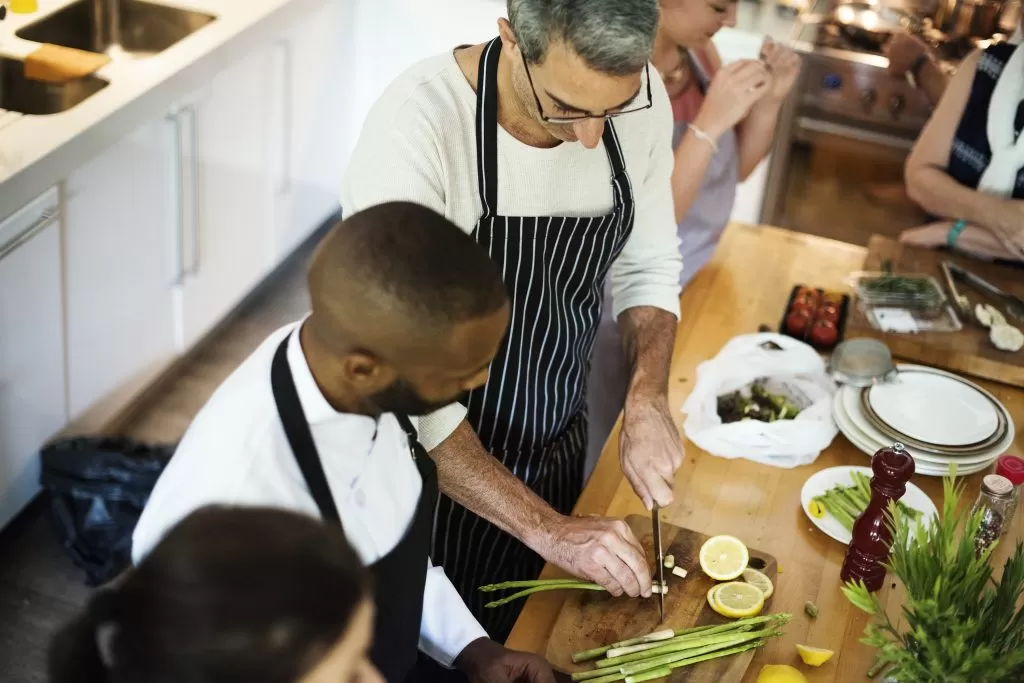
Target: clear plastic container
x,y
913,291
995,499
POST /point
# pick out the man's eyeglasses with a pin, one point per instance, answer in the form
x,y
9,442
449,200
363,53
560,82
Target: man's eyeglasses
x,y
573,118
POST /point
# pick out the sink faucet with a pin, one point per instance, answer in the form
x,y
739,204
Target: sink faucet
x,y
106,24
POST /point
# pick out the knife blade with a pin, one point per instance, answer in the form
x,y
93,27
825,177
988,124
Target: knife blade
x,y
659,558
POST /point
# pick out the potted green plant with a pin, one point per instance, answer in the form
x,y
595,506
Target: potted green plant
x,y
960,624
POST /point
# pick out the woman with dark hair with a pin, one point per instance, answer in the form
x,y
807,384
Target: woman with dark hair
x,y
246,595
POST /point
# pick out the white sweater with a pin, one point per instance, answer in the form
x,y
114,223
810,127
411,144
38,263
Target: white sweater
x,y
419,144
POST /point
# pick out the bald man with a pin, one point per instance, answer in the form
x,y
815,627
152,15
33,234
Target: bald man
x,y
407,313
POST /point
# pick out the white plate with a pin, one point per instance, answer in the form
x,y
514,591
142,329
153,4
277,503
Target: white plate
x,y
822,481
869,446
853,410
935,409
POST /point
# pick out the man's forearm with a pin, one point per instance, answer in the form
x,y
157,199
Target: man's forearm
x,y
943,196
648,338
475,479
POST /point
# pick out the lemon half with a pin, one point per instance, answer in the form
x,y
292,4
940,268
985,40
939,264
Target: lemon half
x,y
780,673
814,656
759,580
723,558
737,599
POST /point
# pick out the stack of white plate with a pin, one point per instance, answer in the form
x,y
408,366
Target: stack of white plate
x,y
941,419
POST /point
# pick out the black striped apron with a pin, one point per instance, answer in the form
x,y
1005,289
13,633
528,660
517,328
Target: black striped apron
x,y
530,414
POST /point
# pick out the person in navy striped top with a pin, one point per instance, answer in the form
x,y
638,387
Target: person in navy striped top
x,y
967,168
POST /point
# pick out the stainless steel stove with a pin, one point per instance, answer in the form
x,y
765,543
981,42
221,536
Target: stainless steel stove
x,y
843,138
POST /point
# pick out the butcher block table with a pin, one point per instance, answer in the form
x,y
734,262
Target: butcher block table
x,y
744,286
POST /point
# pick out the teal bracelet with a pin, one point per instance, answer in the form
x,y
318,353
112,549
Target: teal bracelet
x,y
954,233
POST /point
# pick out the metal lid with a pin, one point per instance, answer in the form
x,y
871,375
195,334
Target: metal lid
x,y
1011,467
996,485
862,362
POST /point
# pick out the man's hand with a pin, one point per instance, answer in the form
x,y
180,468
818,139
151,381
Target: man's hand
x,y
650,450
485,661
601,550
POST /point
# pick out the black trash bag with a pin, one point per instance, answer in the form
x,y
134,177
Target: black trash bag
x,y
97,487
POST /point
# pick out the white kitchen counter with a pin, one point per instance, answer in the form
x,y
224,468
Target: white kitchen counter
x,y
38,151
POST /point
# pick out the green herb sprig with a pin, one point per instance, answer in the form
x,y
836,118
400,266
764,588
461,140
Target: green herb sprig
x,y
962,626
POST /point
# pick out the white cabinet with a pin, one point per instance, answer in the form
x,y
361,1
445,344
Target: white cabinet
x,y
120,249
225,203
32,390
312,120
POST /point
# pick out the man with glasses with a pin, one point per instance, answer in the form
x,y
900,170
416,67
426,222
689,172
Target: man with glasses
x,y
551,145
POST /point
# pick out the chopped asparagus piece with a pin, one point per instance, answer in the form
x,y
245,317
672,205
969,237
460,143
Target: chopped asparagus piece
x,y
811,609
679,571
670,561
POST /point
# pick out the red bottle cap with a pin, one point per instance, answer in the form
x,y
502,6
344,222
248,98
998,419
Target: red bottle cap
x,y
1011,467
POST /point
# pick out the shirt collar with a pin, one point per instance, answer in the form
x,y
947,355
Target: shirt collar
x,y
314,404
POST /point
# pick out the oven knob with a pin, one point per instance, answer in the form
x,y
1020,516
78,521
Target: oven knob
x,y
897,103
868,99
832,81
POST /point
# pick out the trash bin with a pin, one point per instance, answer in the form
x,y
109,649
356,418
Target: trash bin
x,y
97,488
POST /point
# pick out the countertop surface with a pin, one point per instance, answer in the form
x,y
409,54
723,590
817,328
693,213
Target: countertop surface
x,y
38,151
744,286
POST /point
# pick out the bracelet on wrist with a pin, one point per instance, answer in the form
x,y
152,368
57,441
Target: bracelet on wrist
x,y
701,134
954,233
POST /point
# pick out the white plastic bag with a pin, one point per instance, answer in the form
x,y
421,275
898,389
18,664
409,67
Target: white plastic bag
x,y
787,366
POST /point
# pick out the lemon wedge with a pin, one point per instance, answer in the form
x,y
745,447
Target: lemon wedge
x,y
816,509
780,673
760,581
737,599
723,558
814,656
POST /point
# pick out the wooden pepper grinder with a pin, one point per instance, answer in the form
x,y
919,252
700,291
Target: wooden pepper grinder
x,y
872,538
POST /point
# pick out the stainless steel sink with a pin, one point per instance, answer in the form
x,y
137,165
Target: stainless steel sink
x,y
20,94
121,28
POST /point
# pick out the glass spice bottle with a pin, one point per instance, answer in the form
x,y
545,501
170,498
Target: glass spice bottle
x,y
1011,467
994,499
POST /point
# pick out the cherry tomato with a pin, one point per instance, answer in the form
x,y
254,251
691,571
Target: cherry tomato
x,y
824,334
797,323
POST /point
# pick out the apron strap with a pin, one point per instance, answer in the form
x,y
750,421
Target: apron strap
x,y
300,438
487,128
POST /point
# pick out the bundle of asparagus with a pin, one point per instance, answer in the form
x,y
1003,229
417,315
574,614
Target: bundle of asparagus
x,y
655,655
846,503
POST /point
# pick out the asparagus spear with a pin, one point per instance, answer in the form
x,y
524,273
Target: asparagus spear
x,y
597,652
542,588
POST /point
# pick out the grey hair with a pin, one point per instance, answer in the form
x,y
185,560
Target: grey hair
x,y
612,36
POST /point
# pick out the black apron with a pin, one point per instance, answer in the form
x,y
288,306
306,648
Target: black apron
x,y
401,575
531,412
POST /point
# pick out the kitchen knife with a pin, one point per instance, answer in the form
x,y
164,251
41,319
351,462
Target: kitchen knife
x,y
659,559
1014,305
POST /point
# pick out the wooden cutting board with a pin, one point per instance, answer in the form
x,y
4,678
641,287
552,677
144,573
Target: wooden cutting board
x,y
968,351
590,619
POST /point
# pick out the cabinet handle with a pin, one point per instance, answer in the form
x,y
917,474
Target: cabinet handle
x,y
179,190
194,148
47,218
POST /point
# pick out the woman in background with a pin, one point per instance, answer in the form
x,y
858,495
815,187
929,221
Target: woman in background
x,y
724,120
967,167
231,595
